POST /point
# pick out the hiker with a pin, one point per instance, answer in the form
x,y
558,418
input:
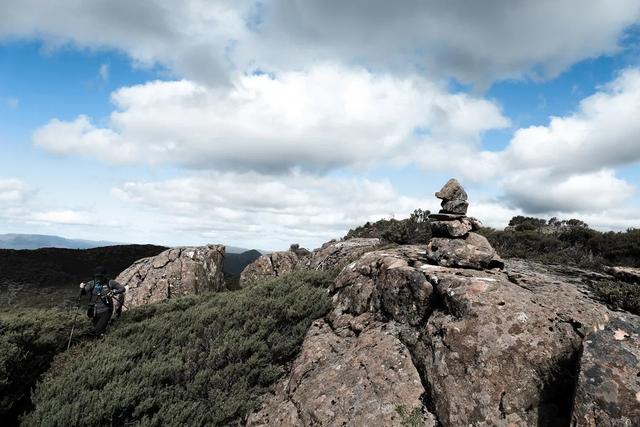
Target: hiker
x,y
103,292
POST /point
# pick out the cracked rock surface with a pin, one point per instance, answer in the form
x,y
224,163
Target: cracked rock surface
x,y
464,347
173,273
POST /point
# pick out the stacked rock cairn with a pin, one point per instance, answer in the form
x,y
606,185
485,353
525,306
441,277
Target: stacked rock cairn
x,y
454,243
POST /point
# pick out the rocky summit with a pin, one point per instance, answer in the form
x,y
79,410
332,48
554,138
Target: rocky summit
x,y
173,273
455,244
448,334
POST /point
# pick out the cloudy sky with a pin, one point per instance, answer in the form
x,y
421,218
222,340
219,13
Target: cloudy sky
x,y
258,123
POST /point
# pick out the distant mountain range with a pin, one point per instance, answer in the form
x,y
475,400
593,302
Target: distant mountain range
x,y
37,241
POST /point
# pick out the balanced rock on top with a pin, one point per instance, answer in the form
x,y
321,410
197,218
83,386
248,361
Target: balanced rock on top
x,y
454,198
454,243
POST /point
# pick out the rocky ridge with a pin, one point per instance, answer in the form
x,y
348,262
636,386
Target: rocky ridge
x,y
453,342
173,273
330,255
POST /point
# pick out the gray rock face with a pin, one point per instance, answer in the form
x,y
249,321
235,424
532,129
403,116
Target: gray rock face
x,y
271,265
345,379
332,254
455,206
173,273
474,251
454,228
608,392
481,348
452,190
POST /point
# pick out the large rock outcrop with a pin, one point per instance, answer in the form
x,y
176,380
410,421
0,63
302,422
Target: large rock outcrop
x,y
331,255
488,348
438,332
173,273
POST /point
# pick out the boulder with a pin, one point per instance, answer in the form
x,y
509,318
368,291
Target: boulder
x,y
474,251
460,346
346,380
272,265
608,391
452,190
173,273
335,254
455,228
455,207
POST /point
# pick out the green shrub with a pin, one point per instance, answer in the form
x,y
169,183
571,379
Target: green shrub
x,y
413,230
191,361
620,295
29,340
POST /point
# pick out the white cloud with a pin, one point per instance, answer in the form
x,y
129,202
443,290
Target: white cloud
x,y
103,72
603,132
538,191
190,38
272,211
203,40
473,41
326,118
13,191
65,216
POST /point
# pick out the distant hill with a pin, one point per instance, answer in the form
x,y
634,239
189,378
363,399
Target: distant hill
x,y
37,241
49,277
235,263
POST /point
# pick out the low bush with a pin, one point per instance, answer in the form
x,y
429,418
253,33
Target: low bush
x,y
619,295
202,360
413,230
29,340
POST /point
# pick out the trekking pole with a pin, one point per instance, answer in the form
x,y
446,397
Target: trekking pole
x,y
75,317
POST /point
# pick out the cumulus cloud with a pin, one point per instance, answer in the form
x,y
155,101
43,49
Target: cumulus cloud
x,y
603,132
538,191
190,38
326,118
202,40
272,210
13,191
473,41
570,164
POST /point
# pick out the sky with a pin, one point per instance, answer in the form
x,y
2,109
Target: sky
x,y
260,123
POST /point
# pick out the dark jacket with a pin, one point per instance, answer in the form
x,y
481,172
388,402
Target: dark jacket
x,y
99,294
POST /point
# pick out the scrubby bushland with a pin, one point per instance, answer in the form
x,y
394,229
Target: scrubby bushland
x,y
412,230
620,295
202,360
573,245
29,340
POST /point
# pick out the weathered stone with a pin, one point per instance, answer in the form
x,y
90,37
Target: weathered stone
x,y
173,273
491,348
455,228
455,207
452,190
339,253
474,251
445,217
301,252
476,224
272,265
608,391
346,380
332,254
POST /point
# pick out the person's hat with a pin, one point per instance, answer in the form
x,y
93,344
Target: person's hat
x,y
101,272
